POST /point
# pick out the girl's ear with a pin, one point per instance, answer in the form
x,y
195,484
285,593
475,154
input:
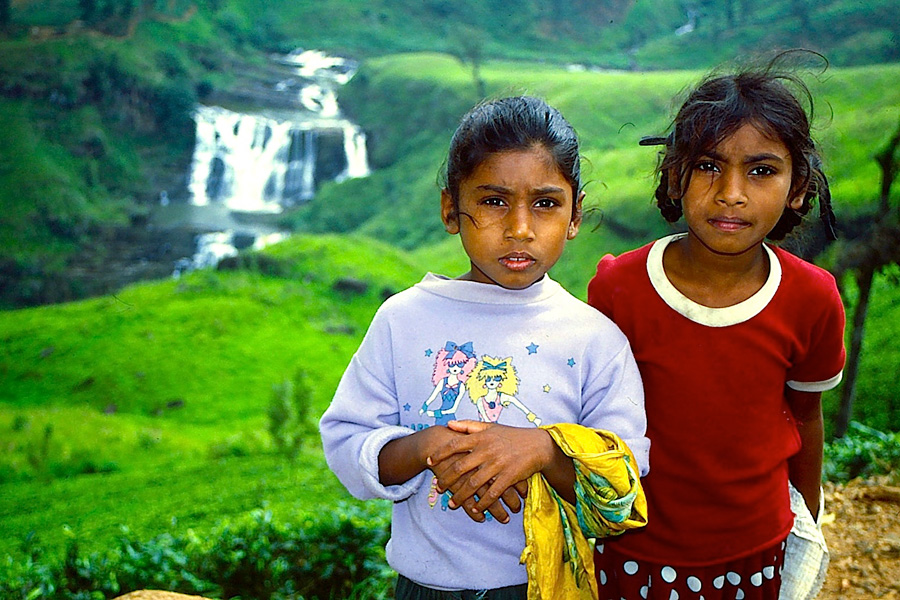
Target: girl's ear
x,y
449,214
577,216
796,202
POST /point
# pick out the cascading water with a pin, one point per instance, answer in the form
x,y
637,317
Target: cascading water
x,y
265,161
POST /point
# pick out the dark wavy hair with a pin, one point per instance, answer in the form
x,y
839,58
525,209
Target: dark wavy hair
x,y
507,124
719,106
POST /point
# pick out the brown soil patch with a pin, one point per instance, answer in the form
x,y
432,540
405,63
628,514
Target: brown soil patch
x,y
862,528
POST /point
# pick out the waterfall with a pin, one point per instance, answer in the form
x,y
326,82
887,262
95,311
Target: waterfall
x,y
275,157
355,150
265,162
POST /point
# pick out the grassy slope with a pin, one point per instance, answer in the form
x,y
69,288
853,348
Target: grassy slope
x,y
216,342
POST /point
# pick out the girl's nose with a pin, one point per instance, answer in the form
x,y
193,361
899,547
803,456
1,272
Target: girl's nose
x,y
519,221
731,189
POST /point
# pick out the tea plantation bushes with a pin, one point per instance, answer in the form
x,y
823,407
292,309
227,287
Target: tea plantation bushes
x,y
863,452
339,554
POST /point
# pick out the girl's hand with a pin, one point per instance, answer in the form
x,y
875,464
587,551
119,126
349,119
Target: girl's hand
x,y
511,496
489,461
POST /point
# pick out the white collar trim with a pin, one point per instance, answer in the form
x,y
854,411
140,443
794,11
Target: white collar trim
x,y
487,293
704,315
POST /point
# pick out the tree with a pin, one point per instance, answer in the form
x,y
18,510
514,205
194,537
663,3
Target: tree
x,y
470,51
872,247
88,10
5,13
289,415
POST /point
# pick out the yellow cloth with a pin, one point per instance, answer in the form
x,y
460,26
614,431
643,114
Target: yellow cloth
x,y
558,553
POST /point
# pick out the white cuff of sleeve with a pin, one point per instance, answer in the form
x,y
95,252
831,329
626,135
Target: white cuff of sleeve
x,y
368,462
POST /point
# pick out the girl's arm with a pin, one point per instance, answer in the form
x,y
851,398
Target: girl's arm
x,y
533,418
403,458
805,467
431,398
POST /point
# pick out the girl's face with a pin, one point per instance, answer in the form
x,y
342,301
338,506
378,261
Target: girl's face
x,y
738,192
493,382
515,215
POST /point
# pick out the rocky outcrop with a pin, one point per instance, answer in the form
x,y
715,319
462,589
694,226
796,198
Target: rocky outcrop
x,y
157,595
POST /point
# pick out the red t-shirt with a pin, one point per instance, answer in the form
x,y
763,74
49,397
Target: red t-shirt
x,y
720,427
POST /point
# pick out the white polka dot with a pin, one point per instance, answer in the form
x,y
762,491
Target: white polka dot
x,y
733,578
694,583
756,579
644,591
718,582
602,577
673,595
739,595
600,548
769,572
668,574
630,567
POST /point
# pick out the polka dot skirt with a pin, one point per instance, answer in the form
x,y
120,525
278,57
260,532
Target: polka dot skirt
x,y
756,577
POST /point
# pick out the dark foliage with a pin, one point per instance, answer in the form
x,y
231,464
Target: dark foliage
x,y
335,555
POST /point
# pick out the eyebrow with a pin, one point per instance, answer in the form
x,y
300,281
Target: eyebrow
x,y
550,189
762,156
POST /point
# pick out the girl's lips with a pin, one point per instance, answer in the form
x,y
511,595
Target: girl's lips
x,y
517,261
728,224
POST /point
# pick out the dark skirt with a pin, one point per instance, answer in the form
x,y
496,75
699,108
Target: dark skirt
x,y
409,590
755,577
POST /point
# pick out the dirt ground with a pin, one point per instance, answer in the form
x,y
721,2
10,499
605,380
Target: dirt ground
x,y
862,528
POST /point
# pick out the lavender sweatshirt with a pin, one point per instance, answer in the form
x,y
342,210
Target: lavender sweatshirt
x,y
447,349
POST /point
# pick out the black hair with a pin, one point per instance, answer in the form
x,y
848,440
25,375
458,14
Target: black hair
x,y
507,124
719,106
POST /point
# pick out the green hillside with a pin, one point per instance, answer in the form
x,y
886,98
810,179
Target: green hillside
x,y
151,405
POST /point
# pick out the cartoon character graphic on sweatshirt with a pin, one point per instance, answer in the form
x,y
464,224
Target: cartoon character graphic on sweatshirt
x,y
452,367
492,386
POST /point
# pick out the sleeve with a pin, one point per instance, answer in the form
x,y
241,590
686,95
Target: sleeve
x,y
363,417
819,364
614,400
599,285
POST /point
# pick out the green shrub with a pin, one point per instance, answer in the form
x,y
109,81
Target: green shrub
x,y
290,422
339,554
863,452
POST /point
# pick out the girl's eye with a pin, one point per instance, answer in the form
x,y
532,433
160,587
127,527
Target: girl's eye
x,y
493,201
762,171
547,203
706,165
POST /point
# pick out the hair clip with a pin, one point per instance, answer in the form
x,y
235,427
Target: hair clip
x,y
653,140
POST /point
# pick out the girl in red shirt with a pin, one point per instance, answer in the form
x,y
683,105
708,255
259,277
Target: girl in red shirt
x,y
735,340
